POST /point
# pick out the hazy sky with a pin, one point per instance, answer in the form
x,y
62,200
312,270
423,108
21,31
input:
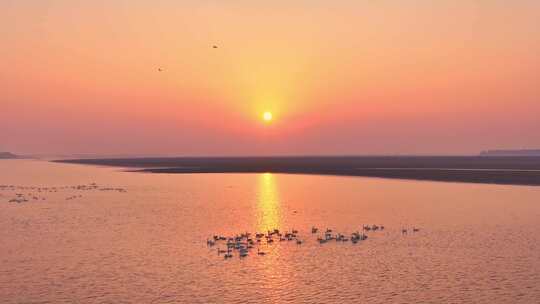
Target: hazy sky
x,y
340,77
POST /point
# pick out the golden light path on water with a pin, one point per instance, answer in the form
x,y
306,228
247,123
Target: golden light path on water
x,y
268,205
269,217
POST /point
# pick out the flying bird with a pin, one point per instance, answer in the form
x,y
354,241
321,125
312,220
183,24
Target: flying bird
x,y
215,47
160,69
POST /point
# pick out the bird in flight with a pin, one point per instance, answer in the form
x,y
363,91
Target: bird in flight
x,y
215,47
160,69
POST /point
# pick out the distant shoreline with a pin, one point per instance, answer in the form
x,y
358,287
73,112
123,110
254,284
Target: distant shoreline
x,y
467,169
8,155
523,152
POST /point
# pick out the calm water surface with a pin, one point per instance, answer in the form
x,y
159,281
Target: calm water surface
x,y
477,243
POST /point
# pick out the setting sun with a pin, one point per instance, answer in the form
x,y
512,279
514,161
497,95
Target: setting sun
x,y
267,116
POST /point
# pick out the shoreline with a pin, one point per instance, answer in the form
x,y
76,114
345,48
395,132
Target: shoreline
x,y
466,169
505,177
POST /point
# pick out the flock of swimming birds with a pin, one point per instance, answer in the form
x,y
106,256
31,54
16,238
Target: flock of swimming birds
x,y
242,244
228,246
32,193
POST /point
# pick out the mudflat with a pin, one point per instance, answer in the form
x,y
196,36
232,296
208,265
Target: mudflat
x,y
471,169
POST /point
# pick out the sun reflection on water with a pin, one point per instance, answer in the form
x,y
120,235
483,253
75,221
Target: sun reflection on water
x,y
268,205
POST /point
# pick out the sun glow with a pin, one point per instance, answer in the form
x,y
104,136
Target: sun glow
x,y
267,116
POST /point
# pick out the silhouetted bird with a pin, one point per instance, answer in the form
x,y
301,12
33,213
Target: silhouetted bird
x,y
215,47
160,69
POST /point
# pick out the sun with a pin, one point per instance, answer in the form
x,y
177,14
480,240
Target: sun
x,y
267,116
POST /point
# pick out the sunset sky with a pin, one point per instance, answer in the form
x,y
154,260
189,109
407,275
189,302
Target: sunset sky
x,y
339,77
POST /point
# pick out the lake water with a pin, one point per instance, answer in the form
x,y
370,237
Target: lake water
x,y
141,238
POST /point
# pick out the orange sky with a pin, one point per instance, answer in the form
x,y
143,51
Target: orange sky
x,y
340,77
